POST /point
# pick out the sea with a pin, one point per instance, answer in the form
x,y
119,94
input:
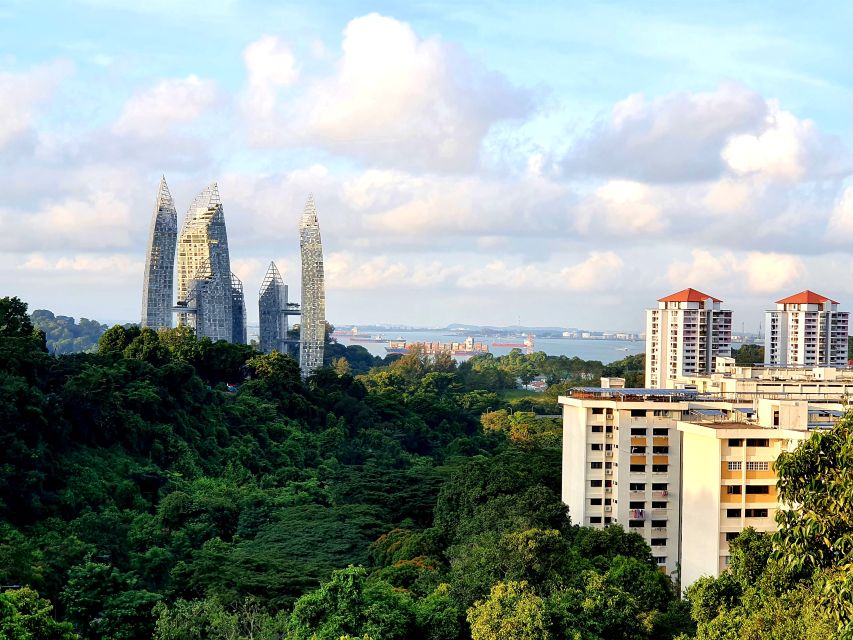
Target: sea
x,y
605,351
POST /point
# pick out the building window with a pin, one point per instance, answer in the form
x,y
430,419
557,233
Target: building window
x,y
756,513
597,428
757,442
657,504
595,446
637,504
635,524
758,488
638,431
608,447
607,519
660,450
734,466
733,489
638,468
658,542
660,559
733,513
735,442
638,450
658,524
727,560
595,520
608,465
731,535
637,486
595,483
597,411
638,413
659,486
757,466
660,432
608,429
595,465
659,468
595,502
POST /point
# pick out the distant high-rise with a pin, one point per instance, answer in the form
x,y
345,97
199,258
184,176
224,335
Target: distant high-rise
x,y
806,329
204,270
312,328
238,311
272,301
158,284
684,335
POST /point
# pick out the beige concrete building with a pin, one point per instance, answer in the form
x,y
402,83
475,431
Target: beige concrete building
x,y
684,468
684,335
806,329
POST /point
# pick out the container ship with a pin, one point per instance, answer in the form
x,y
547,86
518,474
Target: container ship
x,y
528,344
355,336
467,348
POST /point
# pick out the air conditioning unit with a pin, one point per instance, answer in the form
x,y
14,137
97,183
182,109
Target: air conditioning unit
x,y
608,472
608,454
608,509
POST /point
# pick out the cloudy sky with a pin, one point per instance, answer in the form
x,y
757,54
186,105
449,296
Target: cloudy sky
x,y
471,162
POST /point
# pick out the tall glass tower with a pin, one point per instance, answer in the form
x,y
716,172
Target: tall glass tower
x,y
312,328
204,270
157,287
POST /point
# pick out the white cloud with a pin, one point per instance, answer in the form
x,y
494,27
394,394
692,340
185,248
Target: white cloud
x,y
753,272
22,94
270,65
174,101
598,270
622,207
396,99
840,225
348,271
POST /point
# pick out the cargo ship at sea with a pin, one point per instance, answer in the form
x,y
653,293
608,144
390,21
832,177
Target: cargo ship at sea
x,y
461,349
355,336
528,344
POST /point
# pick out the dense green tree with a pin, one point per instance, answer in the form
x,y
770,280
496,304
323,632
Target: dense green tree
x,y
26,616
511,612
14,321
749,354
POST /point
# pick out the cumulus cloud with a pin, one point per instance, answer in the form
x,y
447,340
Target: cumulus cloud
x,y
174,101
395,99
673,138
623,207
345,270
21,96
840,225
270,65
598,269
754,272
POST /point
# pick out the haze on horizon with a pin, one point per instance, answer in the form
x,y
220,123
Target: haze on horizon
x,y
563,166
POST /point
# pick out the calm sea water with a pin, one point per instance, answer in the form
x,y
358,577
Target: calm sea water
x,y
603,350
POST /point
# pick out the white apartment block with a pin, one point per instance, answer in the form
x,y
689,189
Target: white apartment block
x,y
684,335
685,469
807,330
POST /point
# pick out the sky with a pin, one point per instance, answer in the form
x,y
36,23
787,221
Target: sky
x,y
556,163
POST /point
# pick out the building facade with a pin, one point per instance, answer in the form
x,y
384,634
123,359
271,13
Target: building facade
x,y
685,334
312,327
806,329
158,282
273,312
205,299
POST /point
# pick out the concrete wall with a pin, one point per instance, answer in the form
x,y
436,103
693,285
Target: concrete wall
x,y
700,506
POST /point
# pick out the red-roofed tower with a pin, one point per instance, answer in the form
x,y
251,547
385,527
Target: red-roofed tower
x,y
806,330
685,335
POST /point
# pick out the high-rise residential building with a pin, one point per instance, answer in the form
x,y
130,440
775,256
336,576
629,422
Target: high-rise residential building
x,y
312,327
685,469
729,482
806,329
273,312
205,297
158,287
685,334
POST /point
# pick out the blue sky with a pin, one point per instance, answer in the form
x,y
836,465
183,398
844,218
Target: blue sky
x,y
472,162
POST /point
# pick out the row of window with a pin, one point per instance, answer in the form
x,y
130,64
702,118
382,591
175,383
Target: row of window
x,y
750,442
656,468
641,486
657,450
753,465
656,431
640,504
751,489
638,524
749,513
597,520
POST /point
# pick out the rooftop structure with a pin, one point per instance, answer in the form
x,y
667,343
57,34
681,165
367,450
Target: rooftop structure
x,y
158,284
685,334
806,329
312,328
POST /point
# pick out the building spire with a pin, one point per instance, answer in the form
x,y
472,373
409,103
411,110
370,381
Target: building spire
x,y
164,197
